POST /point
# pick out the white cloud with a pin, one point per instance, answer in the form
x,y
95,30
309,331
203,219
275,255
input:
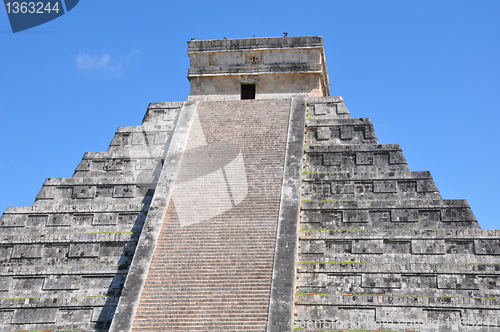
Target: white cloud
x,y
104,63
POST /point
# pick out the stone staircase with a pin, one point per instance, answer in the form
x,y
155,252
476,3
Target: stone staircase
x,y
215,275
203,235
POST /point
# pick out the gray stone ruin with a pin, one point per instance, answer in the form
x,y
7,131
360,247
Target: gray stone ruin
x,y
258,204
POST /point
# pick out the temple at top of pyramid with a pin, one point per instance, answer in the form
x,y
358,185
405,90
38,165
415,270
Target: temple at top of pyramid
x,y
257,68
256,205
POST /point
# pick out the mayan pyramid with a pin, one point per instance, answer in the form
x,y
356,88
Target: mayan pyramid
x,y
258,204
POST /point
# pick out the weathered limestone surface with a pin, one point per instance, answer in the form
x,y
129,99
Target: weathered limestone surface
x,y
379,249
64,259
284,67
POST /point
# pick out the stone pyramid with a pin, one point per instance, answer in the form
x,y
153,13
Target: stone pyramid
x,y
258,204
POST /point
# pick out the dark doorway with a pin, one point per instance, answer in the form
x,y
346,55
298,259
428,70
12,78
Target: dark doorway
x,y
248,91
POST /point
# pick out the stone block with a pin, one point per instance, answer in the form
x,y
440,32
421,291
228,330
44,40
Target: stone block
x,y
83,219
32,285
380,216
104,219
360,132
361,187
397,247
85,165
124,191
419,281
426,185
120,139
315,318
364,158
396,157
81,192
170,114
97,282
428,247
356,216
429,216
139,138
378,280
330,219
487,247
342,109
400,315
84,250
407,186
488,283
13,220
346,132
6,316
62,282
368,246
55,251
338,247
404,215
342,187
332,159
104,192
37,220
5,283
313,159
381,159
317,188
27,251
457,282
320,109
370,133
162,138
35,316
323,133
115,164
312,247
47,192
420,175
5,253
458,214
459,247
127,218
59,219
343,281
74,315
312,216
97,166
388,186
150,136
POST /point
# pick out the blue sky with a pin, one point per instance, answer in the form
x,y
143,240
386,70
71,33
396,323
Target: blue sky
x,y
426,72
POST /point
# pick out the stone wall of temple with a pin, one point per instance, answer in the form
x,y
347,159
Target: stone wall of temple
x,y
378,248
